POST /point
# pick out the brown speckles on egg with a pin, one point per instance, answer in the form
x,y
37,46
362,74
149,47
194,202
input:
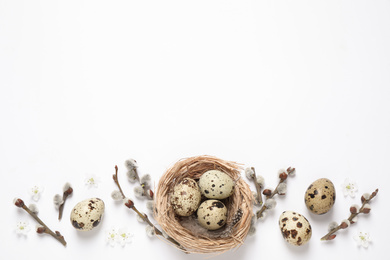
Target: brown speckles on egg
x,y
320,196
216,184
212,214
295,228
84,214
186,197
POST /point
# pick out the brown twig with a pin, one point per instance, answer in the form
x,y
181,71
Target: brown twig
x,y
270,194
57,235
65,195
259,199
331,235
130,204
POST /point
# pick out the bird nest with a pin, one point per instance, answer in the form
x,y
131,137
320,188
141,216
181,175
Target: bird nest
x,y
186,230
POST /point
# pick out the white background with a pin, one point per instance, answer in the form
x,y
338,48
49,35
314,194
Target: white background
x,y
85,85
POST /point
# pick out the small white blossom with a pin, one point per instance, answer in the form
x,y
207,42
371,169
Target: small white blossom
x,y
138,192
22,228
111,236
332,225
282,188
124,237
260,180
270,203
362,239
249,173
92,181
35,192
150,231
116,195
349,188
33,208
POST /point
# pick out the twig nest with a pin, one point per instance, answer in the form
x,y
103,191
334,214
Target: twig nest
x,y
187,230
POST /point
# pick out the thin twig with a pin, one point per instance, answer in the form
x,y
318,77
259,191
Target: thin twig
x,y
331,236
259,200
57,235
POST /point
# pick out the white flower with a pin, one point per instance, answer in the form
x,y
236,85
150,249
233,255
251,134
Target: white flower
x,y
362,239
124,237
249,173
92,181
22,228
35,192
349,188
111,236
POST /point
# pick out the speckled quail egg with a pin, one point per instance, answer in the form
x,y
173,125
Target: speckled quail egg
x,y
295,228
87,214
186,197
320,196
215,184
212,214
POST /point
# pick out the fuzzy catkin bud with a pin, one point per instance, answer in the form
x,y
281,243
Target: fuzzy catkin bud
x,y
260,180
150,205
150,231
366,209
138,192
353,209
291,171
41,229
270,203
250,173
128,203
18,202
332,225
282,188
145,180
283,176
365,197
131,164
267,192
33,208
116,195
344,224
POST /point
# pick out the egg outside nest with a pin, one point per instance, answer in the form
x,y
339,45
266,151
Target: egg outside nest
x,y
87,214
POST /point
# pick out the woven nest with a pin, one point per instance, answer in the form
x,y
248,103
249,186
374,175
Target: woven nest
x,y
185,230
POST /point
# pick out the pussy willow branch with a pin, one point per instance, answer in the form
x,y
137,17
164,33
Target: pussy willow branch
x,y
144,216
282,178
57,235
259,200
331,236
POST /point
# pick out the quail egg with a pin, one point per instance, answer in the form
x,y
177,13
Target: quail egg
x,y
212,214
87,214
320,196
186,197
295,228
215,184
